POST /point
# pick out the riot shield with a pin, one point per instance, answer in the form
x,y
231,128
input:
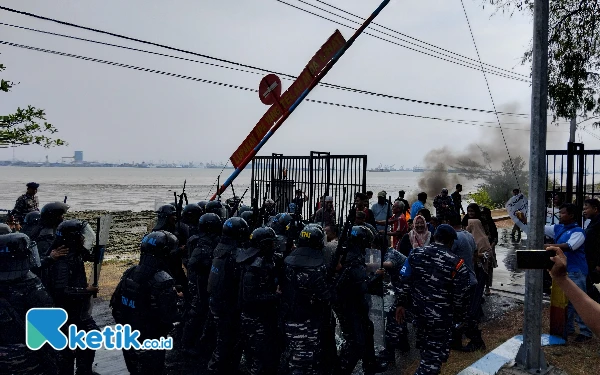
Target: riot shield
x,y
376,306
103,224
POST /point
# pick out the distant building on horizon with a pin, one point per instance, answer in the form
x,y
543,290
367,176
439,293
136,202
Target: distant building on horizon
x,y
78,157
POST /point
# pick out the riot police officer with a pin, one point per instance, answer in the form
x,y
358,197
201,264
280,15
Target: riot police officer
x,y
250,218
200,249
439,302
190,216
68,286
20,290
306,302
281,223
167,221
145,298
31,222
202,205
259,302
50,217
266,211
216,207
352,307
223,286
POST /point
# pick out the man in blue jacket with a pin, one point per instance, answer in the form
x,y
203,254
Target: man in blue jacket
x,y
570,238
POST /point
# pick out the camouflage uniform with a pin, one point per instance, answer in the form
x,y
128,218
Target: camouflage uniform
x,y
396,334
438,282
306,305
24,205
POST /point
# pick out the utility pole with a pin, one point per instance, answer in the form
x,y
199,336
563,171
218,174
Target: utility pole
x,y
530,355
573,129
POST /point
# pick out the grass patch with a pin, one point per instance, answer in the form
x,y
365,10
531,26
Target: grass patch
x,y
110,275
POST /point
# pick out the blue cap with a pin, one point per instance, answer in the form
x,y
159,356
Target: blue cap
x,y
446,232
33,185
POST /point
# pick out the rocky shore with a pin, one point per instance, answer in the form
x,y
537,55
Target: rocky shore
x,y
126,231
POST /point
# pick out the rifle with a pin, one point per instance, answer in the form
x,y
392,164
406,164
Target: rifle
x,y
340,254
65,201
238,202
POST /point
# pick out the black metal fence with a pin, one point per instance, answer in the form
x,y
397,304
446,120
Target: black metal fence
x,y
571,176
278,177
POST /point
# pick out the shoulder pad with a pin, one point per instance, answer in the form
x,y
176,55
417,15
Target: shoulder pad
x,y
258,262
162,277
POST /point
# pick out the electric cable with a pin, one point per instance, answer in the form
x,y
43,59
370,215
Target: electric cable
x,y
415,44
285,76
196,79
491,96
410,48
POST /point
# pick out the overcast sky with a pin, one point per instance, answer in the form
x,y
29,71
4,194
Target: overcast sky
x,y
117,114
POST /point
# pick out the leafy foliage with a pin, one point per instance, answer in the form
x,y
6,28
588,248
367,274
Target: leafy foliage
x,y
26,126
573,54
498,184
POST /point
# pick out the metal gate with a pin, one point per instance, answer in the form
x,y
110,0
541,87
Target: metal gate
x,y
278,177
572,175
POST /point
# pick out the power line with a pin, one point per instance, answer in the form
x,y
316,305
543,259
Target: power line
x,y
490,92
450,53
196,79
418,40
343,88
463,63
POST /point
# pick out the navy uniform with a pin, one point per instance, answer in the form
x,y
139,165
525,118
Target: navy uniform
x,y
396,334
27,202
259,303
145,298
67,284
306,304
223,286
20,290
200,249
438,283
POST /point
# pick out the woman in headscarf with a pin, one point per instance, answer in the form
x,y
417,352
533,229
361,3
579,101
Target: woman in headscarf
x,y
473,212
480,260
492,232
419,236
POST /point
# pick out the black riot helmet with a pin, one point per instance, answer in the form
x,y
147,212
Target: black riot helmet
x,y
249,217
191,214
52,213
210,223
18,254
32,218
361,236
216,207
166,211
315,225
312,237
159,244
280,223
243,209
263,238
236,228
75,234
202,205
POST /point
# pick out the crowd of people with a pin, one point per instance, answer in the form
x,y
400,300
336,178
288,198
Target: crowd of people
x,y
269,286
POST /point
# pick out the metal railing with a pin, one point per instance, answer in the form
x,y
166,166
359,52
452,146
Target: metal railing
x,y
278,177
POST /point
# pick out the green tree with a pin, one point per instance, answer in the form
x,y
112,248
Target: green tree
x,y
26,126
573,54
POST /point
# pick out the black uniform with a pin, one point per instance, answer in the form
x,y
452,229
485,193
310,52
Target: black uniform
x,y
306,305
201,249
223,286
20,290
145,299
259,302
352,306
67,285
175,261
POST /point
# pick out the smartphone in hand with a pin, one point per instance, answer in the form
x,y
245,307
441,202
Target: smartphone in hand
x,y
535,259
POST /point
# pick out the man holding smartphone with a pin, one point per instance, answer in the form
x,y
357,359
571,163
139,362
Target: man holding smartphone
x,y
570,238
